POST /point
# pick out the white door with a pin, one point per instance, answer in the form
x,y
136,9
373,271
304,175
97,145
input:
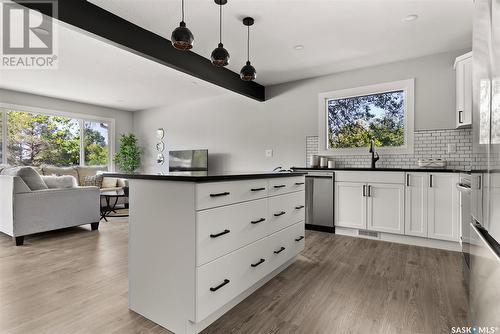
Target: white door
x,y
385,209
350,205
416,204
443,206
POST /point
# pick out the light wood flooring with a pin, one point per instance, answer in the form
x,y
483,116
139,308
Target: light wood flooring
x,y
75,281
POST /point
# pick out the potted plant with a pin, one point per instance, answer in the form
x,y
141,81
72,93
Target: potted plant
x,y
128,157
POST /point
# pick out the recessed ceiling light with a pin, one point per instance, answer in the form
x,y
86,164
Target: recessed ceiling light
x,y
298,47
410,18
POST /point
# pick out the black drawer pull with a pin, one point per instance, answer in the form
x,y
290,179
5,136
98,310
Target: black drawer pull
x,y
299,238
220,194
279,214
257,189
280,186
299,183
298,207
280,250
258,221
219,234
258,263
226,281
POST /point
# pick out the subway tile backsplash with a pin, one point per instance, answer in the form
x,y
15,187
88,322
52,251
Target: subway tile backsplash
x,y
427,144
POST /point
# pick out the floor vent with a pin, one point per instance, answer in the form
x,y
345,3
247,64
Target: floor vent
x,y
366,233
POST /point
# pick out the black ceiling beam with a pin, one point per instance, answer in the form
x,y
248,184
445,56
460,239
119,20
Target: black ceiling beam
x,y
95,20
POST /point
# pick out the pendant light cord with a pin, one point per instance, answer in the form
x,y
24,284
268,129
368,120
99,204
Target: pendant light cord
x,y
248,43
182,6
220,22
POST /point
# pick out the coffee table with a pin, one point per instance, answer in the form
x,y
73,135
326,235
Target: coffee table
x,y
111,199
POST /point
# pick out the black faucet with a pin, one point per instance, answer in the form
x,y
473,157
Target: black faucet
x,y
372,151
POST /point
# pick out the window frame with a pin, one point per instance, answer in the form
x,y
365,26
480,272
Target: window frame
x,y
81,118
407,86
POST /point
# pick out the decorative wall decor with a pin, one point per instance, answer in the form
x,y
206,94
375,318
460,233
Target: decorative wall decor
x,y
160,146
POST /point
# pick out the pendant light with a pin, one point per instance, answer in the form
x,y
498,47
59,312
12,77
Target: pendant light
x,y
182,38
220,56
248,72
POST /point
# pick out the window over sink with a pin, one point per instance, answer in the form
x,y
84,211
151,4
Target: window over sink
x,y
350,119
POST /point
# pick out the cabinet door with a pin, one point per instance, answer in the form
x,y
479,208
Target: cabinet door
x,y
385,210
464,92
416,204
350,205
443,206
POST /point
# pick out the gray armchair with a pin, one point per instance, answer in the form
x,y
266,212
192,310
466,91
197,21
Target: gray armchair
x,y
24,212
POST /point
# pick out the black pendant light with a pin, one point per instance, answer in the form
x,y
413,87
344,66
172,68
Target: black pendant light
x,y
220,56
182,38
248,72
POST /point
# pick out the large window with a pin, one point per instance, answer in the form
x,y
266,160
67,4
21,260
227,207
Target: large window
x,y
350,119
34,138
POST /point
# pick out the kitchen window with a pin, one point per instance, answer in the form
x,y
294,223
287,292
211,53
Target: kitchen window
x,y
351,118
31,137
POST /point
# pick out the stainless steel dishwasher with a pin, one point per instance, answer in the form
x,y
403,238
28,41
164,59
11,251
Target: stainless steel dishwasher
x,y
319,200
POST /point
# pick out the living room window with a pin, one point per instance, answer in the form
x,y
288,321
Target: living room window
x,y
351,118
34,138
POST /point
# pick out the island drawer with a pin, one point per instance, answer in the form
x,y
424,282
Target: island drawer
x,y
222,230
283,185
214,194
287,209
221,280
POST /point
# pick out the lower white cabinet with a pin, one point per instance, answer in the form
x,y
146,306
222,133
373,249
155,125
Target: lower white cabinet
x,y
385,209
443,207
416,204
350,205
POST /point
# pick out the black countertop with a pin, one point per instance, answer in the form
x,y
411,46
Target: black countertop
x,y
382,169
200,177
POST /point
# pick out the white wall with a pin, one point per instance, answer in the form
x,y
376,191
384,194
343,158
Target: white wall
x,y
237,130
123,119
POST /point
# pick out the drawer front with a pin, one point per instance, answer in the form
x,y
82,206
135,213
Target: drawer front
x,y
209,195
286,210
222,230
225,278
283,185
370,177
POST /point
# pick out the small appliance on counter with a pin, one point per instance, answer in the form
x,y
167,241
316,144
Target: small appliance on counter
x,y
432,163
188,161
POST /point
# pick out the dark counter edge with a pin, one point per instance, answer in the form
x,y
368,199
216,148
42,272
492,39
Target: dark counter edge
x,y
382,169
203,178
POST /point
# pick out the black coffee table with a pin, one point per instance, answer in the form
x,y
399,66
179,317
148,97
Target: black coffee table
x,y
111,198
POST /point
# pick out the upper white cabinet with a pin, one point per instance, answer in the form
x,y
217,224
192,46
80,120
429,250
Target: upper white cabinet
x,y
463,71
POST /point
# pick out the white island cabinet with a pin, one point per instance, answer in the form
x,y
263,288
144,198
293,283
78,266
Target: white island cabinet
x,y
198,245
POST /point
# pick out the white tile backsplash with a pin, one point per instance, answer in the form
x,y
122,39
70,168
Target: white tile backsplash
x,y
427,144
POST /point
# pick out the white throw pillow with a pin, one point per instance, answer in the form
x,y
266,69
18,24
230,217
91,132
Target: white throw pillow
x,y
60,182
30,176
109,182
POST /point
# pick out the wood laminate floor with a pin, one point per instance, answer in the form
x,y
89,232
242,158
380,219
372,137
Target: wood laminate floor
x,y
75,281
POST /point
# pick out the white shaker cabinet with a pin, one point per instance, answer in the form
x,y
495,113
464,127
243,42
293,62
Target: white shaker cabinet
x,y
385,207
350,204
463,71
416,204
443,207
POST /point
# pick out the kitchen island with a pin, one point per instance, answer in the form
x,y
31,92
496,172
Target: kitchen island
x,y
200,243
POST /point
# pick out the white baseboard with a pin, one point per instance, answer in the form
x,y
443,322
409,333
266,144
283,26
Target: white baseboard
x,y
404,239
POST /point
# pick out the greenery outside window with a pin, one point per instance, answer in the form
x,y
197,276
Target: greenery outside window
x,y
35,137
351,118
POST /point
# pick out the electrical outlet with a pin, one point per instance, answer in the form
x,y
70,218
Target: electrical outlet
x,y
269,153
452,148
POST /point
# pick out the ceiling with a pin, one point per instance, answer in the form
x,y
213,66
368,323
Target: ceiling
x,y
337,36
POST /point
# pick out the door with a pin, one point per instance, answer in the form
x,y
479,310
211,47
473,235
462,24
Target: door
x,y
350,205
443,206
416,204
319,204
385,208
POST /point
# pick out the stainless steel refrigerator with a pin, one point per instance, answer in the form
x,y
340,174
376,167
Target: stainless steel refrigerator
x,y
484,232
